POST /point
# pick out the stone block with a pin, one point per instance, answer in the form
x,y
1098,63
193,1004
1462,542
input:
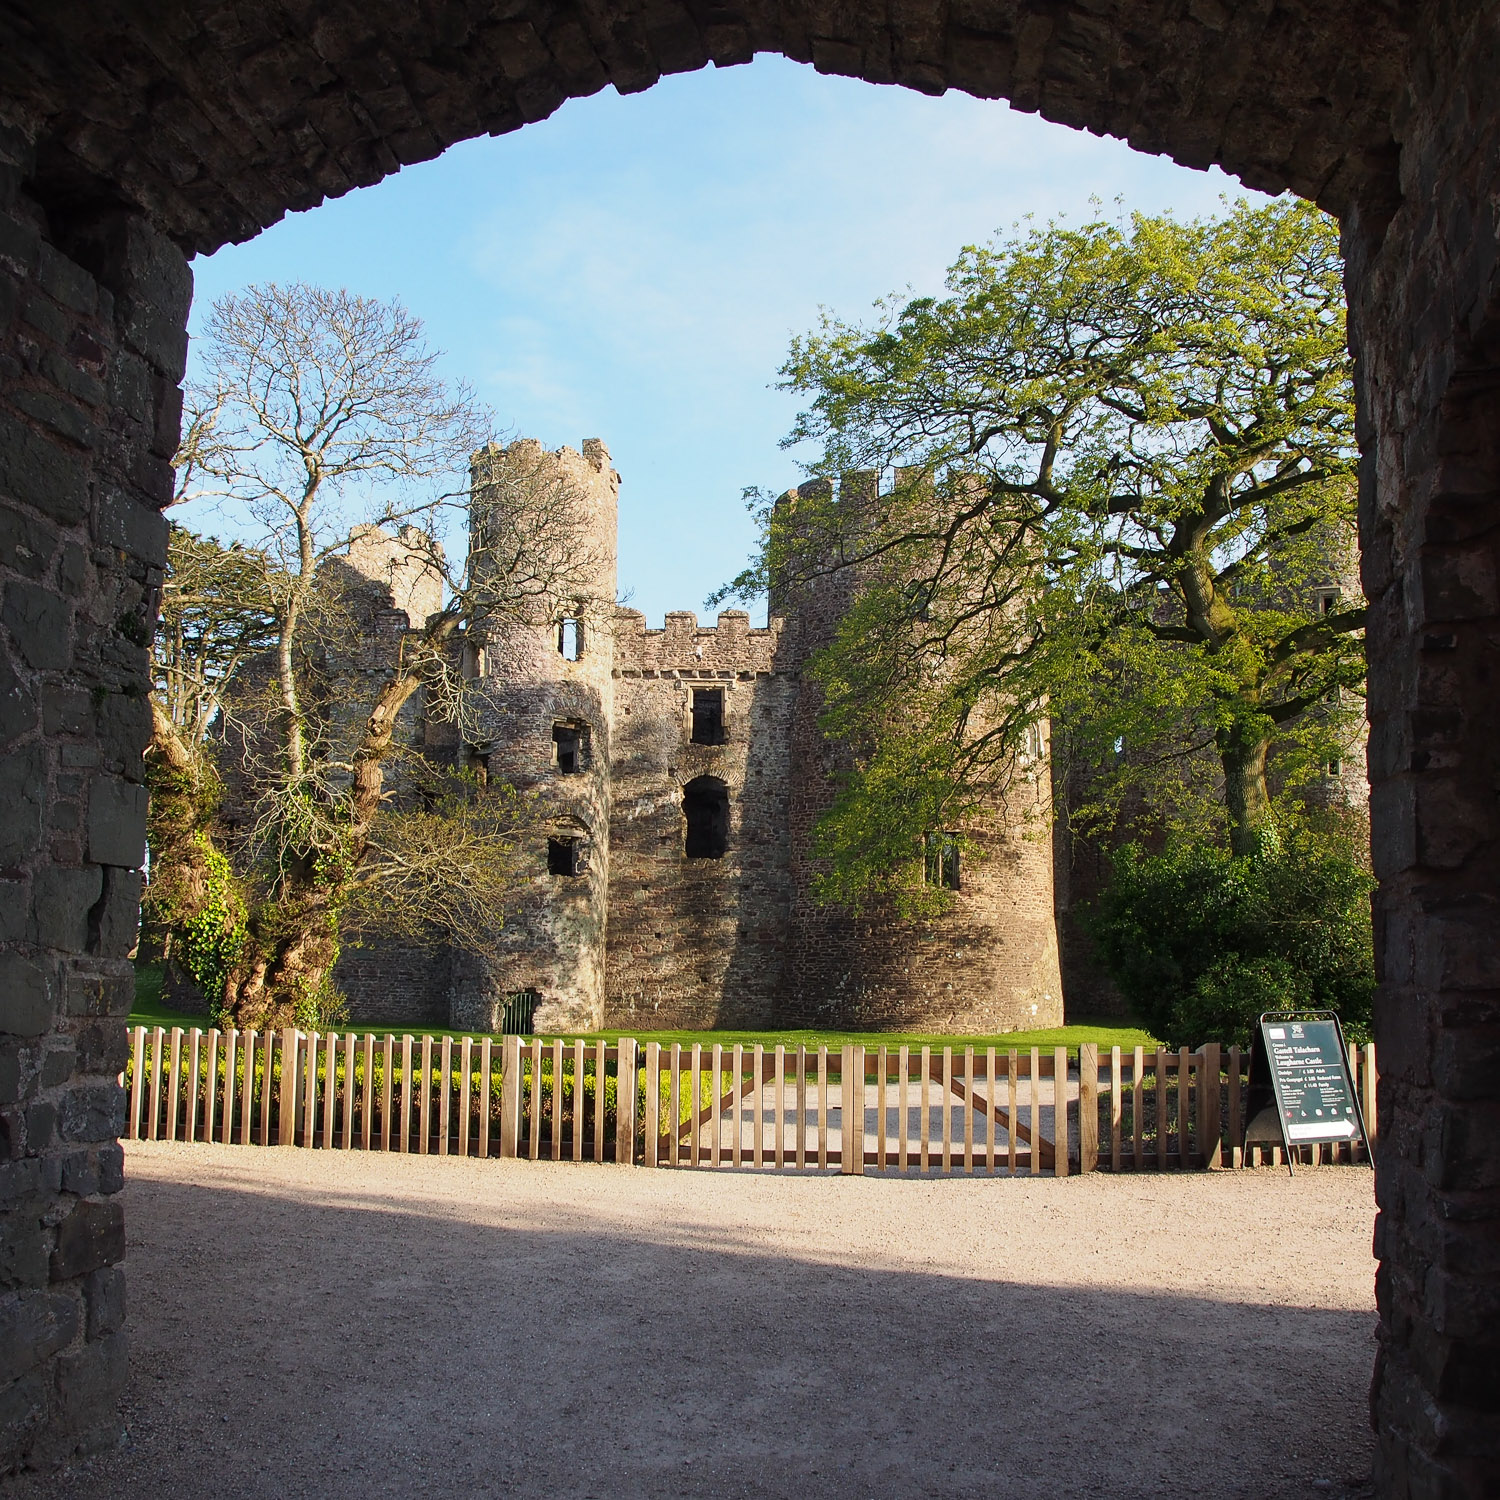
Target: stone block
x,y
10,1071
115,922
111,1167
80,1174
116,823
23,788
59,1060
23,1406
18,707
27,997
104,1296
93,1113
33,1325
20,245
20,1179
89,1380
135,529
66,709
61,903
27,543
59,414
66,281
23,1247
125,731
41,1127
38,621
42,473
92,1236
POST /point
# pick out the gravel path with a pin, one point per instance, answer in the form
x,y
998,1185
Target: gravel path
x,y
311,1323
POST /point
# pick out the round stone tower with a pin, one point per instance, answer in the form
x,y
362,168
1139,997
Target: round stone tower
x,y
991,962
542,703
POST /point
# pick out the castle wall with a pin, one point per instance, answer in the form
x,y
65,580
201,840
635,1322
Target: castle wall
x,y
697,942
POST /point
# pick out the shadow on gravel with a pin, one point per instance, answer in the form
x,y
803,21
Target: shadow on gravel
x,y
284,1347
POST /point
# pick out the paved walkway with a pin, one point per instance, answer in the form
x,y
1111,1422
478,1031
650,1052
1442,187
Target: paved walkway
x,y
310,1323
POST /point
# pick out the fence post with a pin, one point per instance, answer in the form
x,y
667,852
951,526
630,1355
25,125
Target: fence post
x,y
1369,1097
1208,1106
1088,1106
1060,1111
653,1101
1236,1157
137,1068
624,1101
286,1134
510,1094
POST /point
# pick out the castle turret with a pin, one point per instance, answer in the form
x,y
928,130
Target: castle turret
x,y
991,962
542,706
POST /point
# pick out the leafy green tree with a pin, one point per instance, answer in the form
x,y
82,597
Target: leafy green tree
x,y
1101,482
1200,941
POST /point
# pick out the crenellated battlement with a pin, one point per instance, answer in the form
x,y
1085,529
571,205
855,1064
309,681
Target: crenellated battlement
x,y
683,647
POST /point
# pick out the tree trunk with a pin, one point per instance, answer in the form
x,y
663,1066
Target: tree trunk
x,y
182,795
1243,750
292,944
294,935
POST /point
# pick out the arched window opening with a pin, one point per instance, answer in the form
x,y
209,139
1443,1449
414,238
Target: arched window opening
x,y
705,802
570,638
571,741
708,716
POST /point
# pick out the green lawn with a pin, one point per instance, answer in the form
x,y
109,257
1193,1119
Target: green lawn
x,y
149,1011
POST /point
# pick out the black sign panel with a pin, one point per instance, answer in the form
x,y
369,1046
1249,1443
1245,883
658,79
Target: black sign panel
x,y
1299,1063
1312,1084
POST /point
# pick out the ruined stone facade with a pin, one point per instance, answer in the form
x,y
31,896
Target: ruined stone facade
x,y
681,772
133,138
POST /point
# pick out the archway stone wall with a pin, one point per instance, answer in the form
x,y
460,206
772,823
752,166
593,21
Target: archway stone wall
x,y
131,137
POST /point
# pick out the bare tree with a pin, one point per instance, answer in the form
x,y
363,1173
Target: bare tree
x,y
321,415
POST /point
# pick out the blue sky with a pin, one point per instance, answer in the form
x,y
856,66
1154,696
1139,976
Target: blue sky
x,y
633,268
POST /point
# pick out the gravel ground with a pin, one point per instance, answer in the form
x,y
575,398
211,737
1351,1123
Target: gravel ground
x,y
331,1323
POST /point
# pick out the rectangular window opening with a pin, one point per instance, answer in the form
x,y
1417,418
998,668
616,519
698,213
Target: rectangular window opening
x,y
941,860
567,856
708,716
1328,601
570,639
571,742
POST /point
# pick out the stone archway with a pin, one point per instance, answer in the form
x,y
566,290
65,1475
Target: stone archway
x,y
131,137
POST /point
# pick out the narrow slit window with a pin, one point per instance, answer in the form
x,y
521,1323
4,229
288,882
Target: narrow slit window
x,y
941,860
708,716
705,804
571,747
567,855
570,638
478,758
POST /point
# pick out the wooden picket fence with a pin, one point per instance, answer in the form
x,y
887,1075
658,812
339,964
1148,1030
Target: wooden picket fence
x,y
891,1109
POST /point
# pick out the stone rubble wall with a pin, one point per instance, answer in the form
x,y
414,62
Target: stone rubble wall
x,y
93,348
699,942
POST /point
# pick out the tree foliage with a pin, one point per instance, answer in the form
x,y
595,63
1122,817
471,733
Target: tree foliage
x,y
1200,941
1097,482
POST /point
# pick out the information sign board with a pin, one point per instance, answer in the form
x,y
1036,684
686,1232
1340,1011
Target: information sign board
x,y
1299,1070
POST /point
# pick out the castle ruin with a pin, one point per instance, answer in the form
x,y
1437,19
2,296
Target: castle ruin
x,y
682,771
